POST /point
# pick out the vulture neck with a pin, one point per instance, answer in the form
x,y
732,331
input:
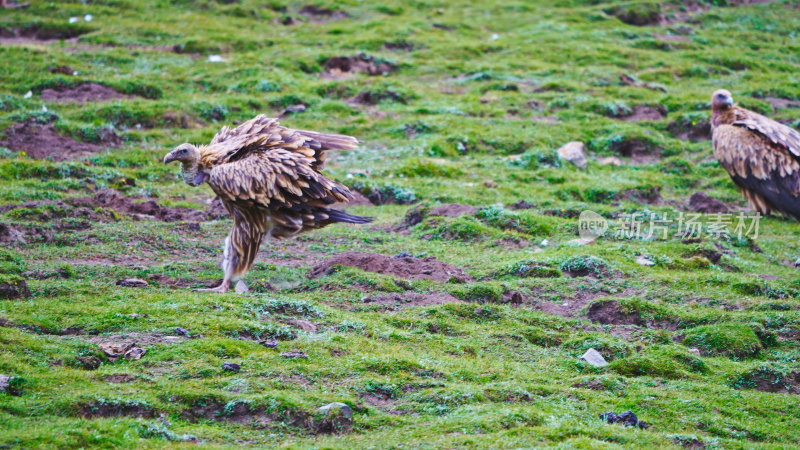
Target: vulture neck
x,y
192,173
720,116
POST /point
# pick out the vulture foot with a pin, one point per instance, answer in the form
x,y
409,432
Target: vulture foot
x,y
221,289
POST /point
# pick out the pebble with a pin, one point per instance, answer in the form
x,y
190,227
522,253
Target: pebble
x,y
336,417
295,354
645,261
573,152
233,367
132,282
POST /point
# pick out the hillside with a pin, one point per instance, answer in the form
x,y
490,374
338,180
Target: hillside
x,y
457,318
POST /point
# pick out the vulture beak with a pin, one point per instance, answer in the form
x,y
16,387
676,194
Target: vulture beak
x,y
169,158
729,101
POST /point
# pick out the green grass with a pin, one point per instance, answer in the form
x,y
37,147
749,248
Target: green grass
x,y
483,94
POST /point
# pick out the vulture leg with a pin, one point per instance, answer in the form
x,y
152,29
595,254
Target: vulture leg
x,y
241,248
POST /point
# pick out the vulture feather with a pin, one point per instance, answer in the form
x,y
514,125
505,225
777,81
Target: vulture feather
x,y
268,178
762,156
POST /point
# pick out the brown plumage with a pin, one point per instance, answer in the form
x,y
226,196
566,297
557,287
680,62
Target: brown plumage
x,y
268,177
762,156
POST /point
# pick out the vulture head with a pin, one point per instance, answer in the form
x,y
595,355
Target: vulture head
x,y
189,157
721,100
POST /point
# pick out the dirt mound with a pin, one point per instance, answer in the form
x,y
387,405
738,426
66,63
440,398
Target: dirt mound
x,y
149,209
694,132
340,66
41,141
86,92
610,313
452,210
320,14
641,113
410,299
375,97
409,267
216,211
10,235
111,409
650,196
41,32
700,202
787,385
10,290
780,103
640,151
120,378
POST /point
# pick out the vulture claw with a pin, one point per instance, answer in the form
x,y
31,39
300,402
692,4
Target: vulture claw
x,y
221,289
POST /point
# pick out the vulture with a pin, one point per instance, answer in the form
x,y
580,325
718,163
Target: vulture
x,y
761,155
268,178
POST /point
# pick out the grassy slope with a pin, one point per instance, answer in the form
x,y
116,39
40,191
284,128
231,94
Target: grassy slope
x,y
463,375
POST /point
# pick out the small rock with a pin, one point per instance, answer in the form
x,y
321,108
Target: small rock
x,y
580,242
132,282
573,152
115,351
594,358
611,161
88,17
293,109
645,261
215,58
135,353
270,343
171,339
241,288
628,419
5,382
334,418
544,243
135,316
696,351
294,354
797,263
233,367
180,331
490,184
28,94
73,20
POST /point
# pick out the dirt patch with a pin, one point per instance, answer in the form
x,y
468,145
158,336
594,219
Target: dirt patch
x,y
103,409
400,45
11,235
86,92
320,14
120,378
780,103
375,97
700,202
149,209
12,290
342,66
642,112
609,313
640,151
695,132
785,385
650,196
410,299
452,210
140,339
167,281
40,32
242,412
42,141
408,267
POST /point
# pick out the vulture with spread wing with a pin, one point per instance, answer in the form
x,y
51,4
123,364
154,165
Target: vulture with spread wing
x,y
761,155
268,178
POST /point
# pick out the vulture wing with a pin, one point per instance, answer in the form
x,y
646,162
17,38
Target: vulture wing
x,y
262,133
763,158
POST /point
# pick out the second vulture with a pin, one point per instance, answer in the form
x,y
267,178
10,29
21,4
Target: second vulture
x,y
762,156
268,178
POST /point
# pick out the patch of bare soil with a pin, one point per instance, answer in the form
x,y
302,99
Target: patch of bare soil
x,y
149,209
167,281
780,103
452,210
12,290
35,32
775,383
120,378
400,45
143,340
373,97
409,267
609,313
343,66
320,14
86,92
701,202
110,409
42,141
642,112
640,151
650,196
243,413
699,131
68,331
410,299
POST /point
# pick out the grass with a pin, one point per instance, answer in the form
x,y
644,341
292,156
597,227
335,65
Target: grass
x,y
479,96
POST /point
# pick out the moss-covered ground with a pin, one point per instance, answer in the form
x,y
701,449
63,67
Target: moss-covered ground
x,y
467,103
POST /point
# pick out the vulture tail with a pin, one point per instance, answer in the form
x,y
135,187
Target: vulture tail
x,y
332,141
340,216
